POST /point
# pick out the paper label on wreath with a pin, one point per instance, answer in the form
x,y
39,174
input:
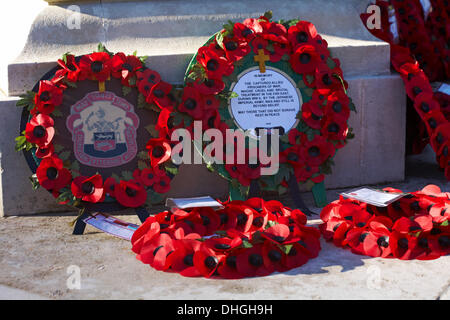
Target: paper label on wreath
x,y
393,24
426,5
111,225
103,128
196,202
444,88
267,100
374,197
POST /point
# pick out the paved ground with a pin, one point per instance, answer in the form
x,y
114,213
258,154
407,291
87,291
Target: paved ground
x,y
36,252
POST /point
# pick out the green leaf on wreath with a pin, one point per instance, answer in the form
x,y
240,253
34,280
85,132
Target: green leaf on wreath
x,y
308,91
286,248
270,223
141,101
142,165
115,177
154,197
310,78
20,143
71,84
58,148
34,182
26,100
57,113
268,14
132,81
127,175
64,56
228,27
351,105
152,130
75,168
219,39
284,138
244,190
247,245
171,170
330,63
143,59
143,155
65,155
445,223
126,90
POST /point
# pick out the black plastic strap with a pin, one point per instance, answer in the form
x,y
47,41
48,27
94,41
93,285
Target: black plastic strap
x,y
297,197
80,225
142,213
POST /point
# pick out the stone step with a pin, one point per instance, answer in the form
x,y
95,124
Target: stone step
x,y
169,32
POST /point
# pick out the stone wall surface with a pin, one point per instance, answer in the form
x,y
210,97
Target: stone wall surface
x,y
170,32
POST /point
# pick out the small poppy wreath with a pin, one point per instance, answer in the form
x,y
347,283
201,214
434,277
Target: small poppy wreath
x,y
243,239
414,227
55,171
434,64
295,48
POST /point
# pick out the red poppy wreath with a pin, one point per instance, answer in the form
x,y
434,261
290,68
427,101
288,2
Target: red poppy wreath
x,y
419,52
414,227
244,239
81,132
314,120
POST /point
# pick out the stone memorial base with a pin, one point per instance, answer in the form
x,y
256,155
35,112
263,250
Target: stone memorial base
x,y
170,32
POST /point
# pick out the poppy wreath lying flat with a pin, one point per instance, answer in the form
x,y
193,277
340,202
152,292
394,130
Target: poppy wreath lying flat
x,y
432,108
295,50
244,239
414,227
57,166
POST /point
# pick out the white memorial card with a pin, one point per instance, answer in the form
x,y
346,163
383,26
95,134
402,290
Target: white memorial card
x,y
197,202
111,225
374,197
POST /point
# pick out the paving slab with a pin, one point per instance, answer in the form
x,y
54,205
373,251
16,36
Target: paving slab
x,y
37,251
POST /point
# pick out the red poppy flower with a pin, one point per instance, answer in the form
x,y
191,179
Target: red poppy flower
x,y
247,30
96,65
150,176
326,78
161,96
376,244
156,251
273,257
240,217
159,151
235,49
210,219
338,105
292,156
317,151
163,185
182,259
433,119
44,152
192,102
40,130
48,97
296,256
274,31
223,244
420,223
303,32
130,194
71,69
206,260
250,262
334,129
125,67
109,185
305,59
51,174
209,86
228,269
440,212
146,80
277,233
88,189
312,114
417,84
402,245
215,65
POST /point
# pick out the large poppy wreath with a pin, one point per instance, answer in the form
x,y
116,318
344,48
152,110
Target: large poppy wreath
x,y
132,179
295,50
414,227
244,239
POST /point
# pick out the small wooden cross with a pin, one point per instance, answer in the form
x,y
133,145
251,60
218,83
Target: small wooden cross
x,y
261,58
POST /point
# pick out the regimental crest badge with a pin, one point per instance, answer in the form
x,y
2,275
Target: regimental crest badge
x,y
103,128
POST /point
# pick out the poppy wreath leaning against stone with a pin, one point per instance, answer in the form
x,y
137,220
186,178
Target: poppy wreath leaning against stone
x,y
414,227
61,176
243,239
418,58
296,49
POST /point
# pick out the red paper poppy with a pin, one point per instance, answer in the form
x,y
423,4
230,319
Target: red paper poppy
x,y
109,185
71,69
312,114
317,151
206,260
402,245
48,97
130,194
305,59
44,152
182,259
39,130
192,103
96,65
150,176
334,129
278,233
88,189
51,174
247,30
209,86
274,31
296,256
161,95
159,151
250,263
215,65
146,80
156,252
163,185
338,105
303,32
235,49
125,67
